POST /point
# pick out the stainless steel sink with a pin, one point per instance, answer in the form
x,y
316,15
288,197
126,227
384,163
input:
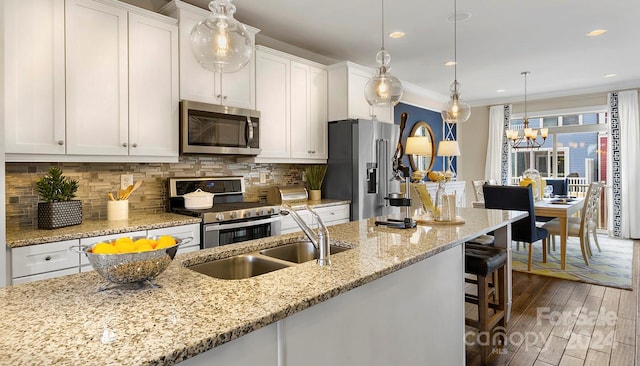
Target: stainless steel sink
x,y
238,267
298,252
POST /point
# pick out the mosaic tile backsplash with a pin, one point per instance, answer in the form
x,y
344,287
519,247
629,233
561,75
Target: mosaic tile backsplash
x,y
97,179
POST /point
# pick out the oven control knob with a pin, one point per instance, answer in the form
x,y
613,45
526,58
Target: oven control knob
x,y
261,212
248,214
219,217
272,211
234,215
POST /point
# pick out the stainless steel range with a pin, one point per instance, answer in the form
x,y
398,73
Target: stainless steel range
x,y
230,220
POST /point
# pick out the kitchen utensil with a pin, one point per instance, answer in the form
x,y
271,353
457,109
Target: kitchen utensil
x,y
126,192
198,200
133,188
131,267
111,197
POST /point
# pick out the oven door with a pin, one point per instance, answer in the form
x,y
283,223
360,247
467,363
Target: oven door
x,y
214,235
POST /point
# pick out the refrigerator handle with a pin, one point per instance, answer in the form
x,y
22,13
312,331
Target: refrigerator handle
x,y
383,176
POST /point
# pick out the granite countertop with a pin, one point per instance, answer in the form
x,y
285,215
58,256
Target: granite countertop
x,y
67,321
20,237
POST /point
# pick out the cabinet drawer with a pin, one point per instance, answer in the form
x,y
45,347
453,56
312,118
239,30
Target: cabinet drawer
x,y
184,231
36,259
333,215
288,225
44,276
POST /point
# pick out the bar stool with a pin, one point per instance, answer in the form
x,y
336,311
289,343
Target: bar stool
x,y
483,261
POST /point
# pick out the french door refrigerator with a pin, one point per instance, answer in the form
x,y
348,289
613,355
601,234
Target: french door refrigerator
x,y
359,167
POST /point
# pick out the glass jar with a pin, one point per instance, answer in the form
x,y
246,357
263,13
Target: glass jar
x,y
441,211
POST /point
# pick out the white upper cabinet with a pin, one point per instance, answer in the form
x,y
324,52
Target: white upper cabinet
x,y
291,95
90,80
198,84
346,94
153,87
97,79
34,106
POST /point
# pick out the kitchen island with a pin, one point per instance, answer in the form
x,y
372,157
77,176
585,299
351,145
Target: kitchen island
x,y
396,293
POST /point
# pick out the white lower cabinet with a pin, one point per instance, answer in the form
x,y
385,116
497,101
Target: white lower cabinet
x,y
43,261
37,262
331,215
399,319
185,231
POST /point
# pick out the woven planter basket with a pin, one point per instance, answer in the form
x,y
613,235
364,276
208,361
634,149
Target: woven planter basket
x,y
53,215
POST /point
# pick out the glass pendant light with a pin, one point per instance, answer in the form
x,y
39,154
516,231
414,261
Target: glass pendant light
x,y
220,43
456,110
383,89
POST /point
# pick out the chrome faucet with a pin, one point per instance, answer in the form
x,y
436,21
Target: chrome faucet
x,y
319,238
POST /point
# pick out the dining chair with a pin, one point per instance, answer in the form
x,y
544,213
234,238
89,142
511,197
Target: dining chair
x,y
560,188
587,222
519,199
477,190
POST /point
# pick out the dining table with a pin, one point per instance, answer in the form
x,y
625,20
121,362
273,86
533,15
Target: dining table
x,y
562,208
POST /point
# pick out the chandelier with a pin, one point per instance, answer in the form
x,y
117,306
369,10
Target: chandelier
x,y
529,138
220,43
456,110
383,89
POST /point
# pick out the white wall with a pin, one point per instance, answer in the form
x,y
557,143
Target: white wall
x,y
4,267
473,134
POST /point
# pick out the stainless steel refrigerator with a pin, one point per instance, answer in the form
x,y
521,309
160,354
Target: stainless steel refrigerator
x,y
360,166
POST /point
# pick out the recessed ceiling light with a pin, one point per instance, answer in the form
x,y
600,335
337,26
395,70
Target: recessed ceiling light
x,y
449,63
397,34
610,75
500,91
596,32
460,16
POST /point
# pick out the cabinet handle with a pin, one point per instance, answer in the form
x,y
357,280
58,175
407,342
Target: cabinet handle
x,y
313,152
60,142
135,145
124,144
219,96
224,98
47,258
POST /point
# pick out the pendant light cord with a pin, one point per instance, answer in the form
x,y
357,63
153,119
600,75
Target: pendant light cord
x,y
382,25
455,41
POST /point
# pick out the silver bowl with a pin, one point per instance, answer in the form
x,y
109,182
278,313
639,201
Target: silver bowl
x,y
125,268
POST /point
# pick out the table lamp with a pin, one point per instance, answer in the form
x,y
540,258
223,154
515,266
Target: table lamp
x,y
449,148
419,146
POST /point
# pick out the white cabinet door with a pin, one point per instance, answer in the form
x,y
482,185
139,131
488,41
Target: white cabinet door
x,y
97,78
288,225
318,123
34,108
237,89
308,112
346,94
300,110
44,258
182,232
153,87
272,100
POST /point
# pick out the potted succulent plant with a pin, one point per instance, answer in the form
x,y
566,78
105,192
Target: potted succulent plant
x,y
58,209
315,176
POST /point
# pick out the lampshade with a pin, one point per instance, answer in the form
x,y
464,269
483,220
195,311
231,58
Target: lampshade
x,y
448,148
220,43
418,145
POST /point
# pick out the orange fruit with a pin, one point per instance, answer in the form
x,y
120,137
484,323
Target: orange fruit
x,y
144,247
104,248
165,241
124,245
141,242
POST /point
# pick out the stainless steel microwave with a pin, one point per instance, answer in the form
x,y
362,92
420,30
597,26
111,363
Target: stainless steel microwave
x,y
216,129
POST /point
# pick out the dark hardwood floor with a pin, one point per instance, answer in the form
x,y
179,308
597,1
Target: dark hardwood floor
x,y
566,323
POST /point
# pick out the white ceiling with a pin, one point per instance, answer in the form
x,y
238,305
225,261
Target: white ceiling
x,y
500,40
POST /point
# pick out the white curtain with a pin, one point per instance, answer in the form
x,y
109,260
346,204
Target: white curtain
x,y
493,165
629,150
